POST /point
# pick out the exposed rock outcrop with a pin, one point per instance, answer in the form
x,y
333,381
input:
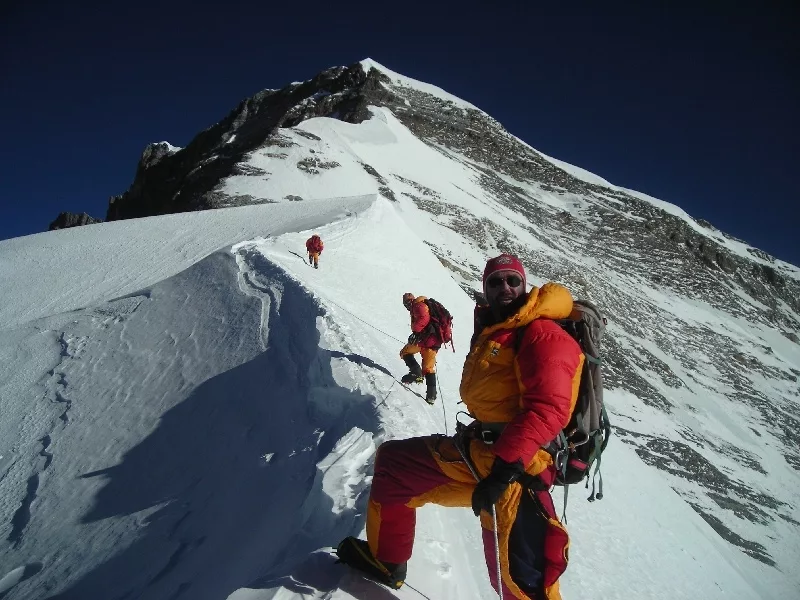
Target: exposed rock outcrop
x,y
68,219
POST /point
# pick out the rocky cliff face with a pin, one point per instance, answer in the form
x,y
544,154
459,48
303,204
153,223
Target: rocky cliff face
x,y
647,265
186,180
68,219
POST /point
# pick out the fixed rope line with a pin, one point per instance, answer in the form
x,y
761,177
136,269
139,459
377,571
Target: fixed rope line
x,y
408,585
386,397
363,321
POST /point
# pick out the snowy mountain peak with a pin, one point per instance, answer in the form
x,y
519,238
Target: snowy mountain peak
x,y
192,180
402,81
155,152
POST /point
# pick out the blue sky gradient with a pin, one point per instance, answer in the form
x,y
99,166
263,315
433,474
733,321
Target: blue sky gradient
x,y
696,105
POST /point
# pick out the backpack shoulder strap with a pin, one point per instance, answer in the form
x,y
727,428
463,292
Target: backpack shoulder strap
x,y
519,333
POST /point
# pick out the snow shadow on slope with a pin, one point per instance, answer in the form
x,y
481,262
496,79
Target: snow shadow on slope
x,y
227,489
361,360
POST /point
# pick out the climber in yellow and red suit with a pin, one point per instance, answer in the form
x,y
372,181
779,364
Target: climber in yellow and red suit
x,y
520,382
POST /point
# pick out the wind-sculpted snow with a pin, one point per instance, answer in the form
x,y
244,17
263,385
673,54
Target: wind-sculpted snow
x,y
193,484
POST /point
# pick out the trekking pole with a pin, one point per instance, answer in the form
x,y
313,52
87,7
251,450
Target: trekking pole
x,y
444,410
497,554
494,522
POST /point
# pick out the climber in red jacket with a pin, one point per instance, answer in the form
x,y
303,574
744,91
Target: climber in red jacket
x,y
314,246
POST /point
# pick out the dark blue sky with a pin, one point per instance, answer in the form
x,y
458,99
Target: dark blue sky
x,y
696,106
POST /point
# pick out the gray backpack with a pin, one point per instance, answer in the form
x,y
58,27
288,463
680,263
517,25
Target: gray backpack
x,y
582,442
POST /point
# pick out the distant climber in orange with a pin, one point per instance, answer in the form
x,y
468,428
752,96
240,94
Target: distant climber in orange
x,y
431,326
314,246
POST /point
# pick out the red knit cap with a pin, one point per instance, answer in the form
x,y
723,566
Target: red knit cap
x,y
504,262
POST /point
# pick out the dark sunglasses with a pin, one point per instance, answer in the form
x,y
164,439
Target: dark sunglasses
x,y
512,281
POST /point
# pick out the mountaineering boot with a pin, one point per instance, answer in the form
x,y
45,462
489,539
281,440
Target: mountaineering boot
x,y
430,380
316,265
356,554
410,378
414,374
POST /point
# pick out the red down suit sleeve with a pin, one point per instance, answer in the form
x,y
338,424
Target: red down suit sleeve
x,y
548,368
420,316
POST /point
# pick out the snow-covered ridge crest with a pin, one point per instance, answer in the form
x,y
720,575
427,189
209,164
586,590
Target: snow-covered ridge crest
x,y
39,280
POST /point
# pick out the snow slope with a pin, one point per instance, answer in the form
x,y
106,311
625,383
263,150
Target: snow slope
x,y
211,433
39,271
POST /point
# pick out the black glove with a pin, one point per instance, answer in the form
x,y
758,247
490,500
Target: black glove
x,y
413,338
489,490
